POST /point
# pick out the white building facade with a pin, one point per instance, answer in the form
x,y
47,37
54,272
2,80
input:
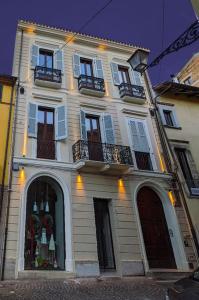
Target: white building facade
x,y
90,191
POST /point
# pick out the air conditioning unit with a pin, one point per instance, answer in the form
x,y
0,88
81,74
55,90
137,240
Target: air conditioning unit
x,y
195,191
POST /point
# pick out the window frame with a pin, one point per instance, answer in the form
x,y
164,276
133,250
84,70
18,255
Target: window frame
x,y
90,62
168,108
46,57
121,70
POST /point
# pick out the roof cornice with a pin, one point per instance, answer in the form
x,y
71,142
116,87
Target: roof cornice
x,y
82,38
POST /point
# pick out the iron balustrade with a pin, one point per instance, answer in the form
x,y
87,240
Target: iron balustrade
x,y
143,161
47,74
131,90
91,83
109,153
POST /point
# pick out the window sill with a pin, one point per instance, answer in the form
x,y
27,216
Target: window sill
x,y
173,127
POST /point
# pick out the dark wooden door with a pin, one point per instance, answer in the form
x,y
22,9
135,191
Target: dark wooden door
x,y
157,241
104,235
45,135
94,138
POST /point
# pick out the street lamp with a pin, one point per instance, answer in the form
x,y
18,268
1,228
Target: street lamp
x,y
138,60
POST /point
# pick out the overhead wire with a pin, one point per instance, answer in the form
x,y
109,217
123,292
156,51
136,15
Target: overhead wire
x,y
162,35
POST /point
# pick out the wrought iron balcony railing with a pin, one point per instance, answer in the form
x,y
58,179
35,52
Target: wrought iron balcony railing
x,y
47,74
131,90
85,150
143,161
91,83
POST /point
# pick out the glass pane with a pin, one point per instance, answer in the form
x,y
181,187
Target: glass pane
x,y
49,116
88,125
88,69
120,76
42,60
83,69
94,121
40,116
49,61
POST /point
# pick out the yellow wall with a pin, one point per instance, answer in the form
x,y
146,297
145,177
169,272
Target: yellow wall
x,y
4,117
187,111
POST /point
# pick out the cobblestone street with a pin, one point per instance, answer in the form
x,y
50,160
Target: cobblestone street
x,y
138,288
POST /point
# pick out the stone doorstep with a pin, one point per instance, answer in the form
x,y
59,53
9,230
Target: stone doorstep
x,y
45,275
167,274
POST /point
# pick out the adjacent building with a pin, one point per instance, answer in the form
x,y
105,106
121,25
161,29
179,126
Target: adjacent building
x,y
179,109
91,194
189,74
7,103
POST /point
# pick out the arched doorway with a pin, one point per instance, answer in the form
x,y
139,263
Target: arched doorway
x,y
44,229
155,231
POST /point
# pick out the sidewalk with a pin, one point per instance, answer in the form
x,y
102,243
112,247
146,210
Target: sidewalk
x,y
131,288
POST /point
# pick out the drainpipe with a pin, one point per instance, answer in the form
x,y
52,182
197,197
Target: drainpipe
x,y
12,155
6,149
169,154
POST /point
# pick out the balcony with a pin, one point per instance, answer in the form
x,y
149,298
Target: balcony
x,y
47,77
90,85
132,93
101,157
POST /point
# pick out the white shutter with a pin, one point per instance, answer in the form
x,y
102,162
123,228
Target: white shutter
x,y
136,78
98,68
76,66
59,60
83,125
108,129
160,108
61,123
32,120
144,145
115,73
175,119
134,135
34,56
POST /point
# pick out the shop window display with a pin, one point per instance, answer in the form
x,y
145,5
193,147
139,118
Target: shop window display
x,y
44,240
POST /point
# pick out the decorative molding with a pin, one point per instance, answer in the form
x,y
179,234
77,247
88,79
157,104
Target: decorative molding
x,y
134,112
178,141
93,105
47,97
165,103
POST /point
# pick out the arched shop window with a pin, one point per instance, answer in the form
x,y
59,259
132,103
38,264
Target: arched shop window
x,y
44,232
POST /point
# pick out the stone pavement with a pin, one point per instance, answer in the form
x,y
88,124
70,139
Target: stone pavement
x,y
131,288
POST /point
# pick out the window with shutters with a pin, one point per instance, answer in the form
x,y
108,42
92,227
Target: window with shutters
x,y
47,66
141,145
90,76
47,125
185,165
129,83
98,141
